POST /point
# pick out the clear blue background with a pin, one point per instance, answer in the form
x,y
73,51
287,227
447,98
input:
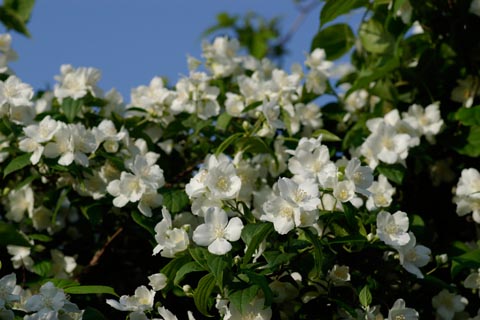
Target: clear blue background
x,y
133,41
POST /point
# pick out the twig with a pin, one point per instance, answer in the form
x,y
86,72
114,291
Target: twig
x,y
100,252
304,11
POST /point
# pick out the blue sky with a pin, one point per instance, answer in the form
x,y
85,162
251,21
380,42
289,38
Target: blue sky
x,y
133,41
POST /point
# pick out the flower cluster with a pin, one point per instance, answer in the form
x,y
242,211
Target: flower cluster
x,y
50,302
238,192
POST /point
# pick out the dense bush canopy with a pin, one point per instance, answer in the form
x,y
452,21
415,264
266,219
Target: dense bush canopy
x,y
330,190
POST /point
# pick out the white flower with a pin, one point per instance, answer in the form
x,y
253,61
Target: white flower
x,y
310,115
254,310
36,135
7,290
19,202
381,193
475,7
392,229
466,91
344,191
234,104
339,274
217,231
447,304
426,121
107,134
385,144
150,199
7,53
317,59
473,280
62,265
304,195
94,185
467,194
169,240
15,100
158,281
195,95
71,142
413,256
155,99
281,213
166,314
221,56
316,81
223,182
146,178
361,176
21,256
49,301
405,12
311,160
140,302
14,93
399,311
76,83
282,291
271,112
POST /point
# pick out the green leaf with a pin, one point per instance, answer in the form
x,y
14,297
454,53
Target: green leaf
x,y
175,200
277,258
252,106
467,260
256,145
60,200
334,8
201,256
393,172
13,21
10,236
326,135
374,37
469,116
380,70
170,270
349,211
471,146
92,314
90,290
23,8
356,135
40,237
263,283
93,213
17,163
43,268
348,239
227,142
71,108
190,267
242,298
223,121
217,266
336,40
252,235
143,222
317,253
201,295
62,283
398,5
26,181
365,296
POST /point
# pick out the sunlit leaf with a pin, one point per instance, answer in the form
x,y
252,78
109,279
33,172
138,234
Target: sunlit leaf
x,y
336,40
